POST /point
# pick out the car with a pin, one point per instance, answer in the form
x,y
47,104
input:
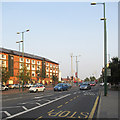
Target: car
x,y
15,86
37,88
28,85
92,83
3,87
61,87
79,84
69,85
85,86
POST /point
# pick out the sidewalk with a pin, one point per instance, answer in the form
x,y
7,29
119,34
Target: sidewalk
x,y
108,105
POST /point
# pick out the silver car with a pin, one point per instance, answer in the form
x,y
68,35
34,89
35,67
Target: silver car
x,y
85,86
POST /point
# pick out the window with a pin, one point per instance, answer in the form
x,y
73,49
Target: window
x,y
2,56
21,59
33,74
2,62
33,61
33,66
47,68
27,60
27,65
38,62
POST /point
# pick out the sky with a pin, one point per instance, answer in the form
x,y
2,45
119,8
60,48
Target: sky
x,y
58,29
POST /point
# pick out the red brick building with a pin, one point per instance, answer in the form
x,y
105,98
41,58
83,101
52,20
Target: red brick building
x,y
13,60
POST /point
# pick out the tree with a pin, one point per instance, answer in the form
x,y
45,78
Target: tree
x,y
55,79
24,75
5,74
86,79
41,73
92,78
114,65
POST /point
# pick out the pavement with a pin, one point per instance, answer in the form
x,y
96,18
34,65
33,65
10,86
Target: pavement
x,y
108,105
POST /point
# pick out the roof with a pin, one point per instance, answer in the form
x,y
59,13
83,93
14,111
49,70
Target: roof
x,y
13,52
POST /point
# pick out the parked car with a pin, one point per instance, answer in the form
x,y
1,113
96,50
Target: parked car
x,y
3,87
37,88
28,85
69,85
92,83
85,86
60,87
14,86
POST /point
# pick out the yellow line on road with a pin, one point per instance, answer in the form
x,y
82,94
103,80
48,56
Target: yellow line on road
x,y
93,109
71,99
59,106
38,118
66,102
74,97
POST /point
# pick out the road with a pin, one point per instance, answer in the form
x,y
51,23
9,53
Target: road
x,y
73,103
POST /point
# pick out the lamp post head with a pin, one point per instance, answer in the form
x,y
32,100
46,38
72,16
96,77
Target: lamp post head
x,y
18,32
93,3
27,30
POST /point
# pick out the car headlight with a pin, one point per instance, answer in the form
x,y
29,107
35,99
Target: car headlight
x,y
85,87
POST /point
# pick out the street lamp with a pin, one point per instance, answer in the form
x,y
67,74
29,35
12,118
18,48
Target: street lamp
x,y
105,49
19,61
77,67
23,52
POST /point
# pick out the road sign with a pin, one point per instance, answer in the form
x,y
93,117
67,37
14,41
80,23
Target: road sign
x,y
108,72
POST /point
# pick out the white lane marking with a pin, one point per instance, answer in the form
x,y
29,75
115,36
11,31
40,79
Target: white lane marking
x,y
38,103
79,92
74,93
38,97
11,107
24,108
12,116
8,114
13,99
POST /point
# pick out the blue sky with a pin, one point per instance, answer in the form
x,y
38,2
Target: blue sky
x,y
58,29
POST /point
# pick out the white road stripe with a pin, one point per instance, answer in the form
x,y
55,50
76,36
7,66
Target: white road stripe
x,y
11,107
8,114
24,108
74,93
12,116
38,104
12,99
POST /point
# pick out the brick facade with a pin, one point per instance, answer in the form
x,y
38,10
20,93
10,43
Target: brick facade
x,y
14,62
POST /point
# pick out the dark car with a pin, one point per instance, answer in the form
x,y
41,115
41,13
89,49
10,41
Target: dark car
x,y
85,86
92,83
60,87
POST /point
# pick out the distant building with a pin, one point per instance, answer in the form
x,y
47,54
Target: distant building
x,y
10,59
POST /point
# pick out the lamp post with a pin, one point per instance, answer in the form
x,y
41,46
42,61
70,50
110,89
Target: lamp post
x,y
77,67
19,61
105,49
23,53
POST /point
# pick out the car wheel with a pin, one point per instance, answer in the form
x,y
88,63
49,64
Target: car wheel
x,y
36,90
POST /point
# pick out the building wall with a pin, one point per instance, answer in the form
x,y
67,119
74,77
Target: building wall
x,y
31,65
